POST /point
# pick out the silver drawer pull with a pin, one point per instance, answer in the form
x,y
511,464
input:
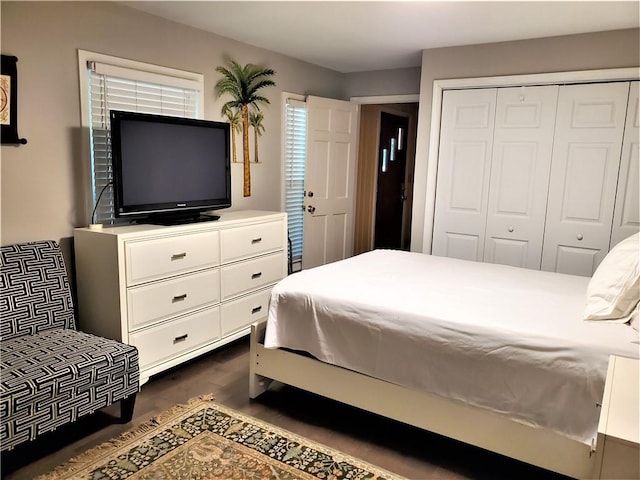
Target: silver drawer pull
x,y
178,256
256,309
181,338
256,275
256,240
179,298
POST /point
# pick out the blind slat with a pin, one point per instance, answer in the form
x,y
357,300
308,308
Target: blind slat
x,y
128,74
295,160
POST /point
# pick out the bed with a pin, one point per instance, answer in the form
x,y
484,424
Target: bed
x,y
495,356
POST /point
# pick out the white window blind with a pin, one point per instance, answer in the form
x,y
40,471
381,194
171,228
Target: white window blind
x,y
118,88
294,169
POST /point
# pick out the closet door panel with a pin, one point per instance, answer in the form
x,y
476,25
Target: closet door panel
x,y
584,174
521,161
577,260
466,142
626,214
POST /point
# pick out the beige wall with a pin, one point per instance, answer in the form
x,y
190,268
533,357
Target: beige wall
x,y
615,49
401,81
43,181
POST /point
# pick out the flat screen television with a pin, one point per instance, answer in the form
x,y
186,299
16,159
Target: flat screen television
x,y
169,170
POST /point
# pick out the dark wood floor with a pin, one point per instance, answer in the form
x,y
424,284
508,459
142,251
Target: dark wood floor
x,y
399,448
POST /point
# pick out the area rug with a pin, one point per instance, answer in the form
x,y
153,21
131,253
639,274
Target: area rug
x,y
203,440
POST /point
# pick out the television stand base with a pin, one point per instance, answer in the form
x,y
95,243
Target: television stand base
x,y
168,220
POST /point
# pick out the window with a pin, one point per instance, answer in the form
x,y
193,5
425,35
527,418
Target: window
x,y
295,156
110,83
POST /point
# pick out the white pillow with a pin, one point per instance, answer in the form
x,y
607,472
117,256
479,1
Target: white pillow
x,y
633,318
614,289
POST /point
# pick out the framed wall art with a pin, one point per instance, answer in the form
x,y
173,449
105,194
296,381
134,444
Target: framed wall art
x,y
9,101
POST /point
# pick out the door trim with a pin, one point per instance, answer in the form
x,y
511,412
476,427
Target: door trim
x,y
581,76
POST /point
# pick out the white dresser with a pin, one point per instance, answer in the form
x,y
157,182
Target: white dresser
x,y
177,292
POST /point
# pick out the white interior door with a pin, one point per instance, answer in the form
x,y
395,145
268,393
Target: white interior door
x,y
626,215
466,142
330,181
584,173
520,165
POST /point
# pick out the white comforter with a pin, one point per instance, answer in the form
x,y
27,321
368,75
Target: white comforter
x,y
508,339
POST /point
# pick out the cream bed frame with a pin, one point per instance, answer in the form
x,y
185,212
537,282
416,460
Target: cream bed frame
x,y
451,418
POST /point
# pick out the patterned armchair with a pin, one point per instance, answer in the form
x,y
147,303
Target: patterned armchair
x,y
50,373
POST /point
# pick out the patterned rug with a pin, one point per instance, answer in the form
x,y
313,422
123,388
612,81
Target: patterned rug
x,y
206,441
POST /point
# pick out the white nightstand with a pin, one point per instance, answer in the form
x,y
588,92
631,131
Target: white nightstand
x,y
618,452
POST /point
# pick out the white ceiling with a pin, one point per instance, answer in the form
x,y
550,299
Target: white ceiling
x,y
376,35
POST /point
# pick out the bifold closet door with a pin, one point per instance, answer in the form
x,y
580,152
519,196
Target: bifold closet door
x,y
584,173
464,160
520,165
626,215
493,174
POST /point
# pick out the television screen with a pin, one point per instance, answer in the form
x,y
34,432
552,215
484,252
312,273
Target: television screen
x,y
169,169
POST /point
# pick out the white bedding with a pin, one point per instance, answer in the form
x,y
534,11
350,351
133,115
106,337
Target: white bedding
x,y
508,339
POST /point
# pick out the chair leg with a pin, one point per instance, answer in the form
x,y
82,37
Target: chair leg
x,y
126,408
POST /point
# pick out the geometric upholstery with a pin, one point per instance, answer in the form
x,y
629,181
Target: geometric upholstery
x,y
34,289
51,374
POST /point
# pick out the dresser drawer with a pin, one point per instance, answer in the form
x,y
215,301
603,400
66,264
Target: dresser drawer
x,y
161,257
250,275
160,300
179,336
244,242
241,313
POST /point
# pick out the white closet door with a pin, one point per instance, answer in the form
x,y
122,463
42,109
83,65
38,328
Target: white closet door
x,y
522,146
626,217
584,173
464,160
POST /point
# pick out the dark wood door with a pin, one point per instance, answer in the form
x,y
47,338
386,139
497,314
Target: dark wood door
x,y
391,195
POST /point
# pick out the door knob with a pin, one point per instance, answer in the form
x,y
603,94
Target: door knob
x,y
311,209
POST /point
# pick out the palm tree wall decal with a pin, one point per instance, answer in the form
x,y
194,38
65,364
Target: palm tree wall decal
x,y
255,120
235,120
243,84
